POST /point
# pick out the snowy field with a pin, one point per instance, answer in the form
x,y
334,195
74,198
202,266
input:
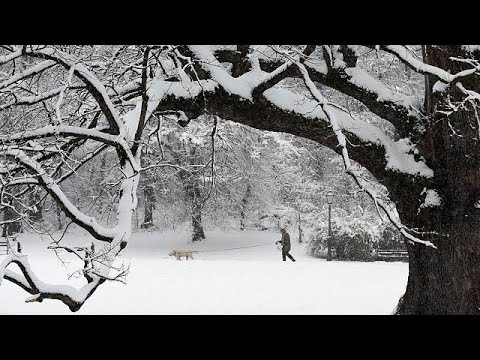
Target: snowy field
x,y
251,280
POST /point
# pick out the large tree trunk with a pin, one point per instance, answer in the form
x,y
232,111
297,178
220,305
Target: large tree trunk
x,y
447,280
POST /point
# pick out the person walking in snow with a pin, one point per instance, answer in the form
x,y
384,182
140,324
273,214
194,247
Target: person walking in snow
x,y
286,246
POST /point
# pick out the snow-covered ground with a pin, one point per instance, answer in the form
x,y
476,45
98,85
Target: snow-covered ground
x,y
250,280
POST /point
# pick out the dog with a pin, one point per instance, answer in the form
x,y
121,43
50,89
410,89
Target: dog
x,y
179,253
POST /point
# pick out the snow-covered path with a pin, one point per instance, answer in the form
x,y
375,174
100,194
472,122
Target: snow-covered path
x,y
245,281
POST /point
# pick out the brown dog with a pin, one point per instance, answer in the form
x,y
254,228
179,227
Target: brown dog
x,y
179,253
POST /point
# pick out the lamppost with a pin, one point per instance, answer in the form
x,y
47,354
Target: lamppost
x,y
329,240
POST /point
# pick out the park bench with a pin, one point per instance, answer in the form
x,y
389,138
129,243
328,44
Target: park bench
x,y
7,245
391,254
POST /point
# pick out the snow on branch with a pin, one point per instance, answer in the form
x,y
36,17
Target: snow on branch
x,y
383,101
353,81
407,57
62,94
30,100
12,56
132,86
26,73
399,155
158,89
63,130
383,94
66,130
243,85
364,185
470,93
51,186
72,297
94,85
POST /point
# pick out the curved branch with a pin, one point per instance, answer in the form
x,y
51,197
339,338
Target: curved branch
x,y
62,130
17,280
405,55
364,185
88,223
31,100
70,296
12,56
404,112
28,72
281,111
244,85
93,85
78,133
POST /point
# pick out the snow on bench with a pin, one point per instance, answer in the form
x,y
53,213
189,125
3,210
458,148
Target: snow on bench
x,y
391,254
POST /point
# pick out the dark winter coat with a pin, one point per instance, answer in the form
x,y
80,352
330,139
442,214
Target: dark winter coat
x,y
286,246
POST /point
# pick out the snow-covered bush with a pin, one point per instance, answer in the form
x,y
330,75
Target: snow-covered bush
x,y
356,236
275,218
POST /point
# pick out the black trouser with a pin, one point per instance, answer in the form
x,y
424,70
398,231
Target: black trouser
x,y
285,254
